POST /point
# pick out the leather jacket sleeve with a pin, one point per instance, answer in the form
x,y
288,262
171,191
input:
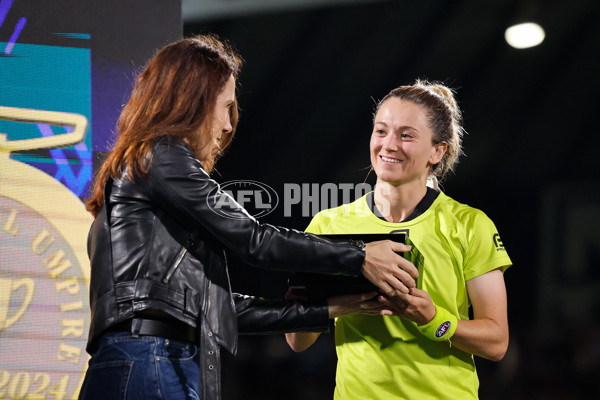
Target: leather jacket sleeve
x,y
184,191
261,316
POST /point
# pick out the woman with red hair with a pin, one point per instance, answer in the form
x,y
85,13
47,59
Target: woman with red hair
x,y
160,297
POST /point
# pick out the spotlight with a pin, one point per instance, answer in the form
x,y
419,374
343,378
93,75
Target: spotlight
x,y
525,35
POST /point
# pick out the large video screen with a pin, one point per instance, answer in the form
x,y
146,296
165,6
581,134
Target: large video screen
x,y
65,71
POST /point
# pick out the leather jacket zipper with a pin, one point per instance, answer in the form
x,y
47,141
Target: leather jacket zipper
x,y
175,264
208,295
179,257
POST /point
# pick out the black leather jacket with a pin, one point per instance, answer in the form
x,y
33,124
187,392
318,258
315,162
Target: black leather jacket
x,y
157,245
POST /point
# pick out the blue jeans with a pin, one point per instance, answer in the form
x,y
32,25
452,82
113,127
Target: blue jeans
x,y
146,367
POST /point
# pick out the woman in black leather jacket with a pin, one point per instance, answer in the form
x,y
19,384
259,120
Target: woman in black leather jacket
x,y
160,297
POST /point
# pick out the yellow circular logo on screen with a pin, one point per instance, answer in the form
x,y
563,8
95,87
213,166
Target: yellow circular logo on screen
x,y
44,269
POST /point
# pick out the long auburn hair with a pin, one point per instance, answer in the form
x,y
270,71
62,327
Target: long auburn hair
x,y
174,95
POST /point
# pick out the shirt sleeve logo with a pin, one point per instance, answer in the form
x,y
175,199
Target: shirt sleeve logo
x,y
498,242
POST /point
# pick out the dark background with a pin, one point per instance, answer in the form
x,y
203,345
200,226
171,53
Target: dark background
x,y
307,95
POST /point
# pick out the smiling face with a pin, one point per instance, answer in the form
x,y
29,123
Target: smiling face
x,y
221,121
402,150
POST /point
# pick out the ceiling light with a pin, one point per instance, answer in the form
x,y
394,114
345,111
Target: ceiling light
x,y
525,35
